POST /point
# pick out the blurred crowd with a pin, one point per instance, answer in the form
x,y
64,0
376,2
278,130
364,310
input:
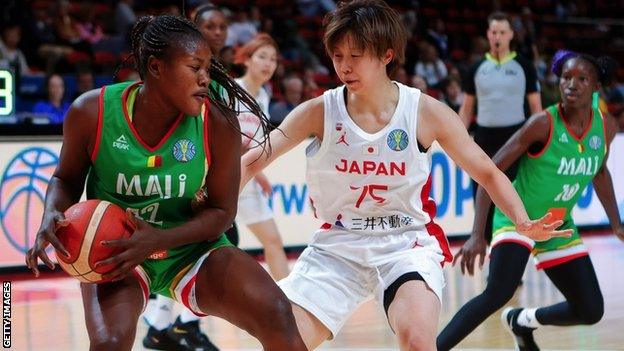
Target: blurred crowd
x,y
60,48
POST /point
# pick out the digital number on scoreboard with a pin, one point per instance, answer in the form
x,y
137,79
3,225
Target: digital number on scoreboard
x,y
7,93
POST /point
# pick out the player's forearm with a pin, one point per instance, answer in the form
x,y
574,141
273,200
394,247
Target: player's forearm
x,y
208,225
465,115
505,197
251,165
482,206
60,195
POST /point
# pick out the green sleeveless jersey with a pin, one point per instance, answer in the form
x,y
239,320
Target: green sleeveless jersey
x,y
157,182
554,179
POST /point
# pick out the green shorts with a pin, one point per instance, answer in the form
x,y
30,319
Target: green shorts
x,y
548,253
174,276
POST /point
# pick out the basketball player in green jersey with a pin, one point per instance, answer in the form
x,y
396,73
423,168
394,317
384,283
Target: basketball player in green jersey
x,y
561,150
167,331
150,147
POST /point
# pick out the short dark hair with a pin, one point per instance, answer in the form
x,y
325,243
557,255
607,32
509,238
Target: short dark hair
x,y
374,26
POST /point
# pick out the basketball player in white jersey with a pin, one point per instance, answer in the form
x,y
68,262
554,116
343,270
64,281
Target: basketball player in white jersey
x,y
368,175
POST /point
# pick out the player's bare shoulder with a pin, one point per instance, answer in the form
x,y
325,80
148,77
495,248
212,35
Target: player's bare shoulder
x,y
84,111
81,122
433,117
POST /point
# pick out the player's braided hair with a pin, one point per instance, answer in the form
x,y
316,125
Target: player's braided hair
x,y
605,66
156,35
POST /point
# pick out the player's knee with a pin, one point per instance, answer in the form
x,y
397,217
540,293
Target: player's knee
x,y
275,317
497,297
592,314
281,312
412,341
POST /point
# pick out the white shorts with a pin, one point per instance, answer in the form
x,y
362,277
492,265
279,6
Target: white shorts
x,y
253,205
331,285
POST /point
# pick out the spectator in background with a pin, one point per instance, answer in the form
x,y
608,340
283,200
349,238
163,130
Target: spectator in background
x,y
400,75
241,29
67,26
84,82
419,83
11,57
255,17
453,95
430,66
54,108
124,17
293,96
310,88
88,29
437,36
213,24
41,34
312,8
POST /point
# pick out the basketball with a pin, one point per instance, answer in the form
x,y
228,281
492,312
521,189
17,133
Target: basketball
x,y
90,222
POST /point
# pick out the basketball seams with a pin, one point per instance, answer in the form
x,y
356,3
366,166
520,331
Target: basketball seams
x,y
71,262
81,264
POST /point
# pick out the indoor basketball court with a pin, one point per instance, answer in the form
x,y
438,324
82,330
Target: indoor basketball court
x,y
372,179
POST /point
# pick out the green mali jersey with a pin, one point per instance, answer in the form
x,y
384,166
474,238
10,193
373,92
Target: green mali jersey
x,y
553,180
159,182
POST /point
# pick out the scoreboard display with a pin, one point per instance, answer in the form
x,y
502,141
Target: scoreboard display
x,y
7,93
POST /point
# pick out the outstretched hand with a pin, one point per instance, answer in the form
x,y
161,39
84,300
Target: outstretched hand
x,y
543,229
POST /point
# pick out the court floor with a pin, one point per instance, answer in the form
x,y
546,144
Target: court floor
x,y
47,314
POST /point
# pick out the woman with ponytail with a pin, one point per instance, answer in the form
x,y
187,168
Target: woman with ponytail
x,y
124,140
560,151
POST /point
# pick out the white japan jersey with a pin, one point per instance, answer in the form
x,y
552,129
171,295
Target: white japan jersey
x,y
250,123
371,184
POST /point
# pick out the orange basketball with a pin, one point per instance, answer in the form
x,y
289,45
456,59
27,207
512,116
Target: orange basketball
x,y
90,222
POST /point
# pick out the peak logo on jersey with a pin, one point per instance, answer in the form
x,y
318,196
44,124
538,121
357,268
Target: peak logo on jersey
x,y
370,150
563,138
595,142
184,150
121,143
397,140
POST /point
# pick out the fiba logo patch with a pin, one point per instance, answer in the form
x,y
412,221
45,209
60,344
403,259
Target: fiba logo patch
x,y
397,140
22,194
595,142
184,150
